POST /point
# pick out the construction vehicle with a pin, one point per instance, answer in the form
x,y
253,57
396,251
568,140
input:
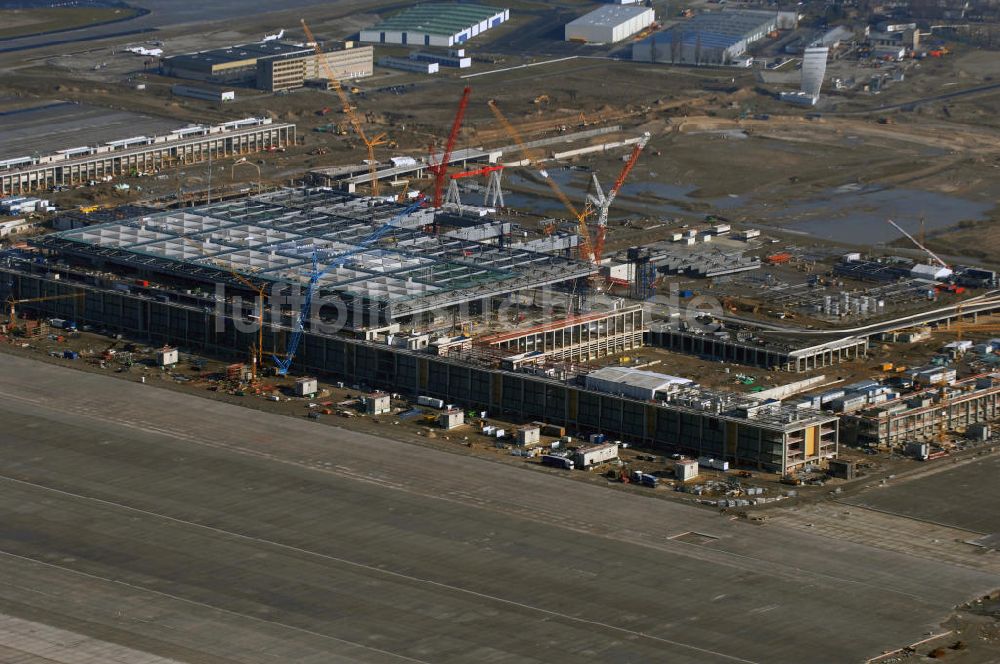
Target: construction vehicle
x,y
440,169
370,142
540,99
586,246
603,202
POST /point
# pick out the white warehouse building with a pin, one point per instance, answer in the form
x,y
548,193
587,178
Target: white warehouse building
x,y
610,23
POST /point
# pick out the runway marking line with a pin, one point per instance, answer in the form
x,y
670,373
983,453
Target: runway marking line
x,y
350,563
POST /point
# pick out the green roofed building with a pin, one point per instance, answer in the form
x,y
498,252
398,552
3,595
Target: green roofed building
x,y
439,24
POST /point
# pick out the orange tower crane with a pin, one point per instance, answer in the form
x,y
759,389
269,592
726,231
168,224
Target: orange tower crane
x,y
441,168
603,202
586,251
371,142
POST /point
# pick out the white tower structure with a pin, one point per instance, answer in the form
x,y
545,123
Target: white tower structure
x,y
813,70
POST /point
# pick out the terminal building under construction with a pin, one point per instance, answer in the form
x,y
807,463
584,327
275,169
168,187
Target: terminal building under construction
x,y
398,282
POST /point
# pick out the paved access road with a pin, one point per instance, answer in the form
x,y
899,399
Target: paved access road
x,y
146,520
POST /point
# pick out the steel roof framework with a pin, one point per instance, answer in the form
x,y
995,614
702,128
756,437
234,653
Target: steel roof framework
x,y
272,238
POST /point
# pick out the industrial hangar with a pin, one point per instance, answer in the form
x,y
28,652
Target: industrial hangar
x,y
712,38
609,24
435,25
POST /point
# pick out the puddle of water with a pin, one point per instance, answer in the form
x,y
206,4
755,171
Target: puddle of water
x,y
857,214
656,197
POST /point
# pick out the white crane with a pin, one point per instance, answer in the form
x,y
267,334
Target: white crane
x,y
914,240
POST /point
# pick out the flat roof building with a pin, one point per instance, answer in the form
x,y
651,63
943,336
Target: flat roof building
x,y
712,38
436,24
143,154
271,65
634,383
609,24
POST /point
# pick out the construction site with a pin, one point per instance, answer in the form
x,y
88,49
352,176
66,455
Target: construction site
x,y
651,269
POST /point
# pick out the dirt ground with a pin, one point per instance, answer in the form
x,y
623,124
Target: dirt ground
x,y
693,115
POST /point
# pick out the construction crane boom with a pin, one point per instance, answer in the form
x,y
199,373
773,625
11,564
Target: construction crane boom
x,y
605,205
283,364
371,142
485,170
586,251
441,168
914,240
11,302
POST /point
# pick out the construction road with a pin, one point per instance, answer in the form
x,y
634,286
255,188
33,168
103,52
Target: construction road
x,y
146,525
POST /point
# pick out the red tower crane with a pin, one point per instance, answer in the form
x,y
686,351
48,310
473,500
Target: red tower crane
x,y
441,168
604,202
485,170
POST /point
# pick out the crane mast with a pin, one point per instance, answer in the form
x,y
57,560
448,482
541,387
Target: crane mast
x,y
441,168
606,201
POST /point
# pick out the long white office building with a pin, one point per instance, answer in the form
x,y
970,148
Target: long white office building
x,y
141,154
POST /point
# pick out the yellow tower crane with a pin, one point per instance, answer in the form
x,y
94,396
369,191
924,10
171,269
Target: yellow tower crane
x,y
12,303
586,246
371,142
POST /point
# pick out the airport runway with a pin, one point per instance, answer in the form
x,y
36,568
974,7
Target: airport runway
x,y
140,520
957,495
162,14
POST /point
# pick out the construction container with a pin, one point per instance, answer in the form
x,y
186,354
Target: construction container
x,y
557,461
553,430
979,432
593,456
717,464
70,355
430,401
686,470
451,419
306,387
377,404
528,435
167,357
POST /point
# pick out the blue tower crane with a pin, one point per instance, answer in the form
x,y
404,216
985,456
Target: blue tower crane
x,y
282,364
